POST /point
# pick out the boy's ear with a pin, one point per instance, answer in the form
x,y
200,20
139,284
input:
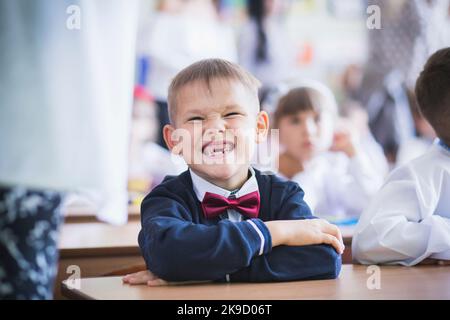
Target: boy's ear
x,y
167,135
262,126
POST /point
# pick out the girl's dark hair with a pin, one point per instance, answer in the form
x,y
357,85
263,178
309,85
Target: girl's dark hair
x,y
256,11
297,100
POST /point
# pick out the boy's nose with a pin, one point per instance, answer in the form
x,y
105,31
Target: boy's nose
x,y
215,125
213,129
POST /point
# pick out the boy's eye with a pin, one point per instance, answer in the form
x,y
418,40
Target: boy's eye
x,y
295,121
195,119
231,114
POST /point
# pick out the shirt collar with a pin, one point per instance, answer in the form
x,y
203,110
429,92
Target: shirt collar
x,y
201,186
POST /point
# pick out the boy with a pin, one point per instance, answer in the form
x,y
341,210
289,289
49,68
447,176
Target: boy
x,y
409,219
222,220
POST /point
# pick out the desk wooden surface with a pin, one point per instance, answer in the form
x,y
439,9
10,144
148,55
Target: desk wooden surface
x,y
97,238
77,214
98,249
424,282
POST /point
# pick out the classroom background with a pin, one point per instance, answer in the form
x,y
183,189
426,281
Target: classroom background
x,y
370,72
118,68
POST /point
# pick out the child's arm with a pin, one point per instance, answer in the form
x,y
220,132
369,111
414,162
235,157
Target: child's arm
x,y
176,249
356,185
292,259
401,226
287,263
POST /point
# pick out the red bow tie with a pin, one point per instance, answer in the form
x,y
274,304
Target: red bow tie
x,y
214,205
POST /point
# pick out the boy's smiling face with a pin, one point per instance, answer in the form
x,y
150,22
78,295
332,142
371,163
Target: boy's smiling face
x,y
215,129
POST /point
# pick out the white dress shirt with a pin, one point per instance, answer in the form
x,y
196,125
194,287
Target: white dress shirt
x,y
201,186
409,219
411,149
337,187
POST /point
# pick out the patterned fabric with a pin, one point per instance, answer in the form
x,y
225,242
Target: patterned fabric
x,y
29,221
403,42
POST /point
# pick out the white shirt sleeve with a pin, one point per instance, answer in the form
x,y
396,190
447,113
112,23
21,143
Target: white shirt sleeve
x,y
354,183
364,176
401,226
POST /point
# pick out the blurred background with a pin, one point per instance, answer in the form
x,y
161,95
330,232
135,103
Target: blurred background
x,y
83,98
283,42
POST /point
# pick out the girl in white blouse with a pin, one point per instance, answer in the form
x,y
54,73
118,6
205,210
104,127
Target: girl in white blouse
x,y
337,175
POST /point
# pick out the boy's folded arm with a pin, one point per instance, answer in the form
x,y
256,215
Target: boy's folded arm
x,y
176,249
397,230
286,263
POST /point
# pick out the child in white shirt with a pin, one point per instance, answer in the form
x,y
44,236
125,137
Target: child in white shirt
x,y
408,221
336,174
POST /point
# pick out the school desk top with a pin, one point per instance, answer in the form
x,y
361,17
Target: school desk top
x,y
422,282
98,239
77,214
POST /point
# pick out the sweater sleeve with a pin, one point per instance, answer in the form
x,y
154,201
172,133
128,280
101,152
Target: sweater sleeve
x,y
285,263
176,249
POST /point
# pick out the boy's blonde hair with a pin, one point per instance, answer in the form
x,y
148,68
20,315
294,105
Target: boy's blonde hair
x,y
205,71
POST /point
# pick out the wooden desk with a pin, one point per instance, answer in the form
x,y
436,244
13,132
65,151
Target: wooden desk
x,y
83,214
347,235
98,249
98,238
424,282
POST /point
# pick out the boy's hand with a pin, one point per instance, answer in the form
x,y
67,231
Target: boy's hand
x,y
305,232
143,277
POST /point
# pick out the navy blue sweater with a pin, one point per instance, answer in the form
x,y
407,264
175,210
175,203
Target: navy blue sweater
x,y
179,244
